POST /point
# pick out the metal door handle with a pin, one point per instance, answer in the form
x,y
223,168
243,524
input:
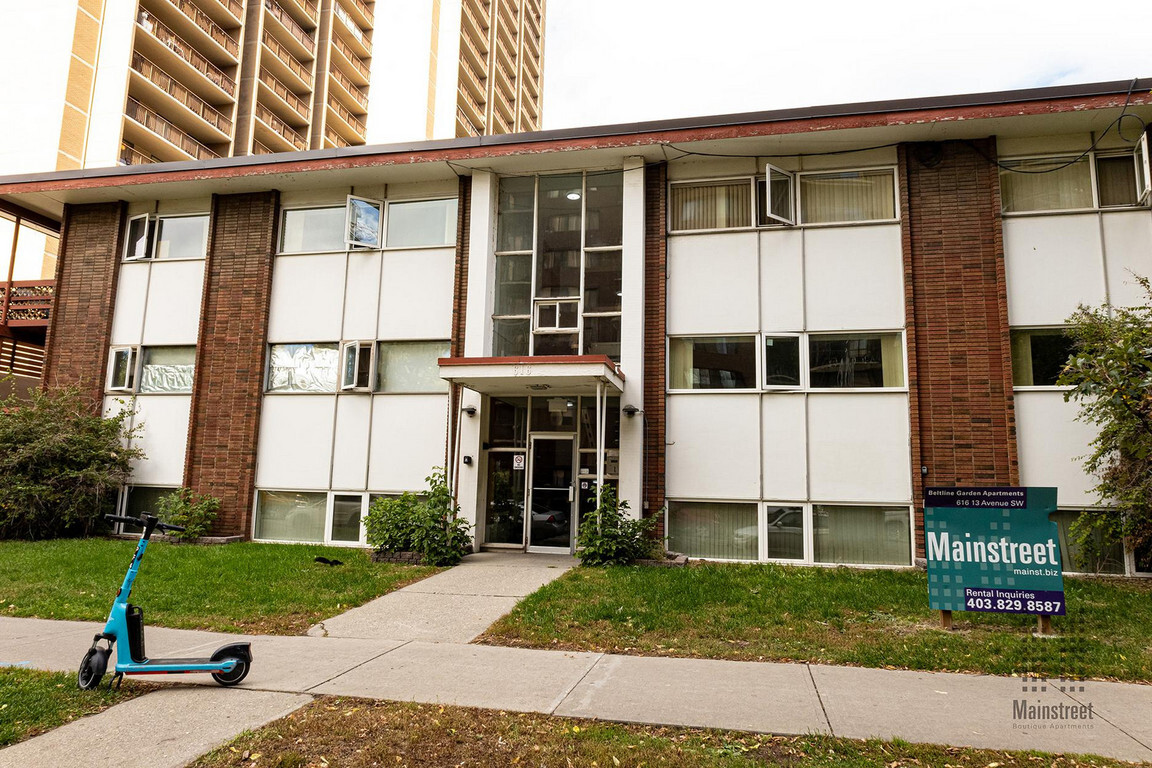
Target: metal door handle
x,y
571,494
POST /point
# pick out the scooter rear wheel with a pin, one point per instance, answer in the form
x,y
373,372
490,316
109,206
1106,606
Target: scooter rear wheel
x,y
238,673
92,668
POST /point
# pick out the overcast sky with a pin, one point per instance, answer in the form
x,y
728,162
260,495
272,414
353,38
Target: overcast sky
x,y
612,61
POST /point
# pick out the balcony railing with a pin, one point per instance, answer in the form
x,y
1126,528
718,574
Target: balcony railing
x,y
132,156
358,95
286,56
336,139
27,303
472,109
352,27
287,132
185,51
357,123
205,22
166,83
308,7
281,90
297,31
235,7
353,58
478,22
166,130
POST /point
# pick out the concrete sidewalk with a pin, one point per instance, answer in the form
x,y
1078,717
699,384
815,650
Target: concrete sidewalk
x,y
962,710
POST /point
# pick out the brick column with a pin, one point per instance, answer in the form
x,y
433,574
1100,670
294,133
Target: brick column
x,y
459,310
655,332
80,331
956,303
226,399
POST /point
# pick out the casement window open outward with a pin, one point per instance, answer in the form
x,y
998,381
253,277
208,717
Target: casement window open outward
x,y
166,237
357,364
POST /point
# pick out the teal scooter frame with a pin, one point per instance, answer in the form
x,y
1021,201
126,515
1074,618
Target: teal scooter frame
x,y
228,665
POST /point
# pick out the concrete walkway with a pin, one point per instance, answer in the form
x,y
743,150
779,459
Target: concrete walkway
x,y
963,710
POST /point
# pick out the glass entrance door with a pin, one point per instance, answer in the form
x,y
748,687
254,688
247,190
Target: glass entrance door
x,y
552,491
504,518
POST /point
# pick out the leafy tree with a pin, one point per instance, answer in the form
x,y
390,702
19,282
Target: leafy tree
x,y
609,537
1110,372
189,510
61,464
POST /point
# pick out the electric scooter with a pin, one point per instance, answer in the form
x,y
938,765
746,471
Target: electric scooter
x,y
228,665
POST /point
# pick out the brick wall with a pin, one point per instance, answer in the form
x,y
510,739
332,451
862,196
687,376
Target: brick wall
x,y
225,422
960,368
655,326
86,273
459,308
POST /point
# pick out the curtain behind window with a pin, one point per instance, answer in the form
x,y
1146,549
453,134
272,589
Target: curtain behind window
x,y
713,205
721,531
847,196
1046,186
861,535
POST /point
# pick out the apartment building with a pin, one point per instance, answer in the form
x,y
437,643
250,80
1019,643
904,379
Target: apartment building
x,y
769,331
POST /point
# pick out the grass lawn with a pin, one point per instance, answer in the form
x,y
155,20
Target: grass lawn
x,y
356,733
32,702
871,618
274,589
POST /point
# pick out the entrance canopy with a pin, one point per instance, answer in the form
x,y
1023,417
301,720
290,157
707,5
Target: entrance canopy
x,y
519,376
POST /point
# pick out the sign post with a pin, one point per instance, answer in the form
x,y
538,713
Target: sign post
x,y
993,550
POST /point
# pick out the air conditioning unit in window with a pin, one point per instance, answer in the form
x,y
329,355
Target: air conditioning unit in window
x,y
1143,170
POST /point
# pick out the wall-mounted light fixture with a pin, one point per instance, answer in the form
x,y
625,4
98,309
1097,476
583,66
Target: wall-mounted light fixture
x,y
470,410
631,410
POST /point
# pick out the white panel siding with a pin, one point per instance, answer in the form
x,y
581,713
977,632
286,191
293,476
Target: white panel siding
x,y
859,447
712,285
350,452
713,446
782,280
785,446
408,440
362,295
1053,264
1050,442
295,450
416,294
854,278
174,293
1128,250
307,298
163,438
131,295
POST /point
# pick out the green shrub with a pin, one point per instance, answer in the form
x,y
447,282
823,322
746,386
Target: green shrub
x,y
609,537
188,509
61,463
428,524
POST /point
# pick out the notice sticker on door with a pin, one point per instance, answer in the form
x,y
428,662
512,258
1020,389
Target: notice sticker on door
x,y
518,461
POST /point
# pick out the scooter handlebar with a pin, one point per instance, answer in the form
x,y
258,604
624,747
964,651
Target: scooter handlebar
x,y
142,520
166,527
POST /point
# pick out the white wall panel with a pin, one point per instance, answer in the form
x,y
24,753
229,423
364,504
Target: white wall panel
x,y
785,452
174,293
1053,264
408,440
350,452
854,278
859,447
307,298
416,294
363,295
782,280
1127,249
163,438
1049,442
712,285
131,295
713,446
295,450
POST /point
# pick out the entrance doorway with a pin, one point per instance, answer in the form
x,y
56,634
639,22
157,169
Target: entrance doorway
x,y
552,491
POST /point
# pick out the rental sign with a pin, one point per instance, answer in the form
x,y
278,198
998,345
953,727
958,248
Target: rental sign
x,y
993,549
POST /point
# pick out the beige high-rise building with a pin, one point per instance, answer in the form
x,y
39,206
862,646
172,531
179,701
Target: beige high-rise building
x,y
167,80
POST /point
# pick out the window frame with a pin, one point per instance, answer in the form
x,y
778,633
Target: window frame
x,y
283,229
356,245
131,371
297,392
387,220
1091,157
902,333
378,389
357,348
802,362
152,233
717,181
1029,329
757,344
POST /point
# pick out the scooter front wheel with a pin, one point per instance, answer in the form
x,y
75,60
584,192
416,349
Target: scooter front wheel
x,y
92,668
238,673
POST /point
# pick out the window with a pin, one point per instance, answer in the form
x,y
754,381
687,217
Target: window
x,y
854,361
1038,356
303,367
410,366
313,230
347,510
421,223
711,205
356,369
167,369
861,535
714,530
290,516
718,362
1065,182
558,265
362,228
140,500
774,198
1076,558
166,237
161,369
868,195
782,361
784,533
1116,180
